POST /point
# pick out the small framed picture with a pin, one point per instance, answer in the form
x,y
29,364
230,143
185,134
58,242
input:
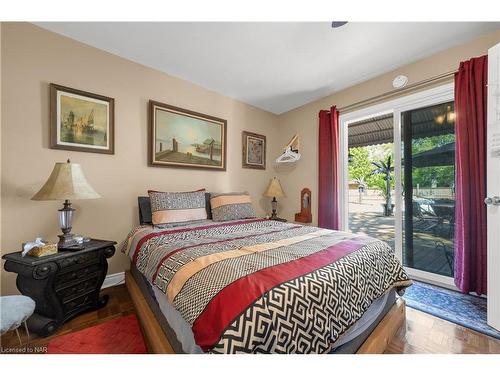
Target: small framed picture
x,y
254,150
81,121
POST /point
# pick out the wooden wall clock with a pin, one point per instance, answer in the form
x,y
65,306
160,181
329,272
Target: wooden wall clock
x,y
304,216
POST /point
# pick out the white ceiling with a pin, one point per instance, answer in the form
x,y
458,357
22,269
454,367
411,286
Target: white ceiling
x,y
273,66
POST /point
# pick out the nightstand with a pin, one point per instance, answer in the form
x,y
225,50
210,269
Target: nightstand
x,y
62,285
279,219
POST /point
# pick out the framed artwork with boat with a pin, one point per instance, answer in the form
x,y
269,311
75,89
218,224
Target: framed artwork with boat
x,y
182,138
81,121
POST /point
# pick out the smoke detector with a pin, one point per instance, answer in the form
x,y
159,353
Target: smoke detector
x,y
399,82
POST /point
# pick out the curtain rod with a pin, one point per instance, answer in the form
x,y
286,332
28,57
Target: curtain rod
x,y
389,94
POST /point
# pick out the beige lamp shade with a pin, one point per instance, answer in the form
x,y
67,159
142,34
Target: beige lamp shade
x,y
274,189
66,181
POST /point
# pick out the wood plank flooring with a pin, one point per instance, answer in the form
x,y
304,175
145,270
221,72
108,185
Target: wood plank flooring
x,y
120,304
422,333
426,334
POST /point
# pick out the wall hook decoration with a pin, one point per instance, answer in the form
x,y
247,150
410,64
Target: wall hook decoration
x,y
291,153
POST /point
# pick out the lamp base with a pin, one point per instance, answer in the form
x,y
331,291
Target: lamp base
x,y
274,215
66,241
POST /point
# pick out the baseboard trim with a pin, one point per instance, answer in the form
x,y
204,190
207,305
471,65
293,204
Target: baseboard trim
x,y
113,279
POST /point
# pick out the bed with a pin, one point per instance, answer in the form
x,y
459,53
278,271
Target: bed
x,y
262,286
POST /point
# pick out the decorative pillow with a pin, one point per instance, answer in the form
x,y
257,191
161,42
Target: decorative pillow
x,y
167,208
231,206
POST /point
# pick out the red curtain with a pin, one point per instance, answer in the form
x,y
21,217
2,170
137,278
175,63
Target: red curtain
x,y
470,216
328,200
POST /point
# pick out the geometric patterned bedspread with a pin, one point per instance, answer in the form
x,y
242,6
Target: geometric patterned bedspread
x,y
262,286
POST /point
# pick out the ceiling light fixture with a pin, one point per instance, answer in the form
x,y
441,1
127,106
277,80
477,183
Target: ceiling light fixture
x,y
448,117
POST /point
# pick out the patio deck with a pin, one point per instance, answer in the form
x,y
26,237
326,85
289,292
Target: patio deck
x,y
429,248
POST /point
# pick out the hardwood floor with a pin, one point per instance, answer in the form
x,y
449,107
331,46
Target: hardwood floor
x,y
422,333
427,334
119,305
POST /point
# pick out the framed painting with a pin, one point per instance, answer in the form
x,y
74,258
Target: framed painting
x,y
81,121
186,139
254,150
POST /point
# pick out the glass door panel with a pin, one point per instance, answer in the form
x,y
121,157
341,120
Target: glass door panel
x,y
371,177
428,180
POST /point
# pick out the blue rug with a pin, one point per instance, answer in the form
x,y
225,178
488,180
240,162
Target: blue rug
x,y
462,309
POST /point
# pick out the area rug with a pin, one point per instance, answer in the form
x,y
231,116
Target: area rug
x,y
462,309
118,336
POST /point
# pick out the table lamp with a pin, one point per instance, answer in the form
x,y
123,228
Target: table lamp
x,y
66,182
274,190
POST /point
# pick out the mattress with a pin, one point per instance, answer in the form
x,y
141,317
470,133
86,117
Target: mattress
x,y
181,338
261,286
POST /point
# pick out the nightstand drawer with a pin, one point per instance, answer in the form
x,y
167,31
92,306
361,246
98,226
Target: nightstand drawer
x,y
82,287
77,260
76,274
95,274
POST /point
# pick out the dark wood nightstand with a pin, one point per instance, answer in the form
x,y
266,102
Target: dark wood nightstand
x,y
62,285
279,219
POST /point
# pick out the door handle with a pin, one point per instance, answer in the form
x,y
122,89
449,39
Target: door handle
x,y
492,201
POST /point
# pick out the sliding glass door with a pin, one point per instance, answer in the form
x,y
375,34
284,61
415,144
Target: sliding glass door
x,y
371,177
398,179
428,181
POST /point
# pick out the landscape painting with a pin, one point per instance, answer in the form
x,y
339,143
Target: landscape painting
x,y
182,138
81,121
254,150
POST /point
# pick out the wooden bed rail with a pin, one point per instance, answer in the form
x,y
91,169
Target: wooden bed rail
x,y
383,333
156,340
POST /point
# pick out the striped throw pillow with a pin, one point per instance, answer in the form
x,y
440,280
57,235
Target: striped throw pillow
x,y
168,208
231,206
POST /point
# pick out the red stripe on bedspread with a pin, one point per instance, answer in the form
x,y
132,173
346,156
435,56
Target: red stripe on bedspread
x,y
173,252
170,231
234,299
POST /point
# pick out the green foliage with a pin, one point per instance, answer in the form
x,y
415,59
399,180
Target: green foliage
x,y
425,144
444,175
385,168
382,186
359,165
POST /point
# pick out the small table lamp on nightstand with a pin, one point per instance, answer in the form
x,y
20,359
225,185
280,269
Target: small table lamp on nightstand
x,y
274,190
66,182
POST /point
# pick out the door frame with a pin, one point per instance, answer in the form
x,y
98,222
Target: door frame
x,y
493,212
435,95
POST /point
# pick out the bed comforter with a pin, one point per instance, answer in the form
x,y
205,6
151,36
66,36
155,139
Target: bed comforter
x,y
262,286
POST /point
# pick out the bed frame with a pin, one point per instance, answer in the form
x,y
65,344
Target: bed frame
x,y
157,342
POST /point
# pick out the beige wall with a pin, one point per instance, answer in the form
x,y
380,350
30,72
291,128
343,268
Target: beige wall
x,y
304,120
31,59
